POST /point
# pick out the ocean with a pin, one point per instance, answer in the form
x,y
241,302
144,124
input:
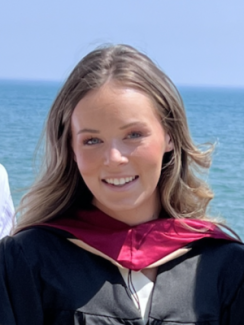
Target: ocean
x,y
215,115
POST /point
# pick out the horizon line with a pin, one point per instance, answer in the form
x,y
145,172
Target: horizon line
x,y
178,85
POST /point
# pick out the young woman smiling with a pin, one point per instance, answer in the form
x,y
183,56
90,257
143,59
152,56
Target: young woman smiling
x,y
115,230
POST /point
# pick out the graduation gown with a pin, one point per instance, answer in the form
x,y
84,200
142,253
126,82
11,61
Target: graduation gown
x,y
46,279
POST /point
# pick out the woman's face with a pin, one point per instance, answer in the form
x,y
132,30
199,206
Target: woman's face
x,y
118,144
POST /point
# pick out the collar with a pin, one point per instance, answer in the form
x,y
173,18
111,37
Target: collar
x,y
134,247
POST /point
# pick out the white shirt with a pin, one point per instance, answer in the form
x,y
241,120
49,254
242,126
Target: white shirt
x,y
140,288
6,204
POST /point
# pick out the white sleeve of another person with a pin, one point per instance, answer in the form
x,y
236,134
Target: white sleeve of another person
x,y
6,204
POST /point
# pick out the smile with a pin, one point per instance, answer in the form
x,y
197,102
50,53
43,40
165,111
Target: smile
x,y
119,181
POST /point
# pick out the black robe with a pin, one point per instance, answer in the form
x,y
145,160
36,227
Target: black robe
x,y
47,280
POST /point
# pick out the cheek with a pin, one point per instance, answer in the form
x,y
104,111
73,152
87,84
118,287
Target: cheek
x,y
150,155
87,162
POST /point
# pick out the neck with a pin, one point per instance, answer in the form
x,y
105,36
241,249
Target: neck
x,y
132,217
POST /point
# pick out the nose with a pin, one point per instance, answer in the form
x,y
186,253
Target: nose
x,y
115,155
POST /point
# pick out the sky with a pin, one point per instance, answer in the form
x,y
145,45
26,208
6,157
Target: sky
x,y
197,42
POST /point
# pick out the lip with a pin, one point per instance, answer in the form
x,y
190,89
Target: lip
x,y
124,187
119,176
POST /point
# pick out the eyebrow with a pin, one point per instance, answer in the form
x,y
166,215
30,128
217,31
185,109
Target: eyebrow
x,y
88,130
130,124
97,131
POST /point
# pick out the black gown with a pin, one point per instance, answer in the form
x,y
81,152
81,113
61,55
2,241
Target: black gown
x,y
47,280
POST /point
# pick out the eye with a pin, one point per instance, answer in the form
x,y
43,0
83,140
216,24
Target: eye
x,y
91,141
134,135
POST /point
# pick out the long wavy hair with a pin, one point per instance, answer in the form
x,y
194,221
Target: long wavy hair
x,y
59,186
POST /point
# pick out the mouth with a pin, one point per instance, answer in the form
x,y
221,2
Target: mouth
x,y
119,182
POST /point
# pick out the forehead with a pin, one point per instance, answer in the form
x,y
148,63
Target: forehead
x,y
116,101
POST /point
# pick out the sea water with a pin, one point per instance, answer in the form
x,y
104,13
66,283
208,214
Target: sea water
x,y
214,115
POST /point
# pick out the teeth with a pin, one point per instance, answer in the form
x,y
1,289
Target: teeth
x,y
120,181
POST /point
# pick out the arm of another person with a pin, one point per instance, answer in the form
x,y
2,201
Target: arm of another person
x,y
6,204
20,299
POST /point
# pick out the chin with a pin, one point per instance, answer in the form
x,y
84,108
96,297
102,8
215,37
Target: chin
x,y
136,203
120,207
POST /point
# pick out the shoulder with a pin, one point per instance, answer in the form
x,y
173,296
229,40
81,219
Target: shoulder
x,y
25,237
221,263
223,249
221,253
31,244
219,260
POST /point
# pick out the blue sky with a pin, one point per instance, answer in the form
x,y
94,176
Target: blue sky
x,y
197,42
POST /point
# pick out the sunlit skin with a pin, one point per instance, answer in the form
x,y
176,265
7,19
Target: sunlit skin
x,y
116,134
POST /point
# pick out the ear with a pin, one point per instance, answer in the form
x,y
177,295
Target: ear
x,y
169,143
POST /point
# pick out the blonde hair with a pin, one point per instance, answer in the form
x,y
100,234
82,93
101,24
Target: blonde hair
x,y
60,185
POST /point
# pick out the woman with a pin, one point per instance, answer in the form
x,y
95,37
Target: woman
x,y
115,229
